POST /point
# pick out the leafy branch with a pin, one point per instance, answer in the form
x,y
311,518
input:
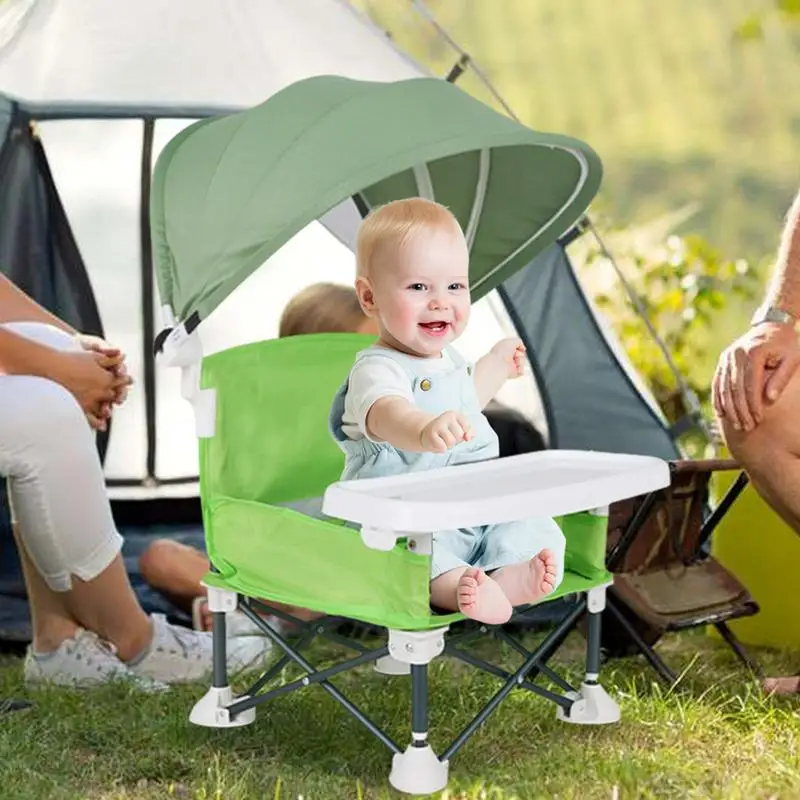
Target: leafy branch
x,y
684,287
782,11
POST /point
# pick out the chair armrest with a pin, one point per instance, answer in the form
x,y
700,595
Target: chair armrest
x,y
704,465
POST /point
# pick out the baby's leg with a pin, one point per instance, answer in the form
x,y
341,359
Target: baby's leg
x,y
457,586
530,558
472,592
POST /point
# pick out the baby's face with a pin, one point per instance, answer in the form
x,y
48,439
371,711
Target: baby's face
x,y
421,295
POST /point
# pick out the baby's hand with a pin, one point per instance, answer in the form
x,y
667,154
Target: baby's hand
x,y
444,432
512,353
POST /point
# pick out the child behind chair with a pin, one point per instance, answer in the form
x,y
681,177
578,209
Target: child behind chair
x,y
412,403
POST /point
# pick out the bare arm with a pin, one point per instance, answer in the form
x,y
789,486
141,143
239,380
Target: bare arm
x,y
757,367
89,376
16,306
399,423
22,356
491,372
784,289
503,361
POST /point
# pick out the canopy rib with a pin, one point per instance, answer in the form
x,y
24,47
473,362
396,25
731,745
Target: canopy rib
x,y
484,163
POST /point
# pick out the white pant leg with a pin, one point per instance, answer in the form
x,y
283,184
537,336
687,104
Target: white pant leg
x,y
56,485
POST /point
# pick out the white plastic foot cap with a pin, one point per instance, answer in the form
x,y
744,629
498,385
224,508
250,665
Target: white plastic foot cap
x,y
418,771
211,711
592,706
387,665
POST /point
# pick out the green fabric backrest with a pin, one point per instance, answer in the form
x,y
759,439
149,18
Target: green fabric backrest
x,y
272,401
272,443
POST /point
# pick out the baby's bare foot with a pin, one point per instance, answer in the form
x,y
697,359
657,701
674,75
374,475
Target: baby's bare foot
x,y
529,581
481,599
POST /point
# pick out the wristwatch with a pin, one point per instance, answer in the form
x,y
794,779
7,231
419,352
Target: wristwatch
x,y
771,314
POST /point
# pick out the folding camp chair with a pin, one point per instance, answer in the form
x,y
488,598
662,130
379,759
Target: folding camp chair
x,y
227,194
270,447
664,578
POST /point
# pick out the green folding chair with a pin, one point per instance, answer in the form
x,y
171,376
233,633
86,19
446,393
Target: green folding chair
x,y
227,194
271,449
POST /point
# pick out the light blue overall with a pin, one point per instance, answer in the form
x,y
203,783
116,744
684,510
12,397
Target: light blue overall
x,y
487,546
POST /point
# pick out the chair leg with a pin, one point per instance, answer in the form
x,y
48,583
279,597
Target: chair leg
x,y
9,704
656,662
211,710
593,705
418,770
733,642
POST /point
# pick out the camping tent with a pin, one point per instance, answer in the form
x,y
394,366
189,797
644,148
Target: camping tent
x,y
107,89
92,94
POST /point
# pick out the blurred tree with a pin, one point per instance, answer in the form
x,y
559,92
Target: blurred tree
x,y
783,11
685,289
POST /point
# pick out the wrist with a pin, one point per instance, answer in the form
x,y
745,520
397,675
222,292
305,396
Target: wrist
x,y
22,356
49,363
776,314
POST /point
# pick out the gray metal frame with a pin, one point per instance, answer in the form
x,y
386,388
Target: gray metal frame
x,y
533,665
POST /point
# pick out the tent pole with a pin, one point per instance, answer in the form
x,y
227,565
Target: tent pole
x,y
693,406
148,328
465,60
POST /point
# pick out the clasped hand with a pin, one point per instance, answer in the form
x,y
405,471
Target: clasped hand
x,y
97,376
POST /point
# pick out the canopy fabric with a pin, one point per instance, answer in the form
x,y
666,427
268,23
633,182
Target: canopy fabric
x,y
229,192
181,56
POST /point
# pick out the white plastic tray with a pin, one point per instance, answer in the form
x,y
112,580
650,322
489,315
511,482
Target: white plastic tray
x,y
547,483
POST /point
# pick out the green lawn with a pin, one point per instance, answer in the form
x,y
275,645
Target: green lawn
x,y
713,736
679,110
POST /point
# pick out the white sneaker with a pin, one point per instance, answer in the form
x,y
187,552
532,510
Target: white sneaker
x,y
180,655
81,661
239,624
236,623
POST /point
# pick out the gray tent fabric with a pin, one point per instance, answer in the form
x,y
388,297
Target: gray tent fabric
x,y
590,401
37,249
88,71
109,84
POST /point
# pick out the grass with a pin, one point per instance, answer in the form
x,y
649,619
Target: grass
x,y
678,108
712,736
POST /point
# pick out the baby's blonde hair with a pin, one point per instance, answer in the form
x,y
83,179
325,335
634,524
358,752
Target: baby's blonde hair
x,y
322,308
387,227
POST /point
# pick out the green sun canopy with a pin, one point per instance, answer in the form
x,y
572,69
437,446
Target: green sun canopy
x,y
228,192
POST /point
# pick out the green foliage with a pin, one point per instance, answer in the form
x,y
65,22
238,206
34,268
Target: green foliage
x,y
683,286
782,11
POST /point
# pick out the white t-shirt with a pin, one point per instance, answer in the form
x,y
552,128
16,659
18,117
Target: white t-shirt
x,y
376,377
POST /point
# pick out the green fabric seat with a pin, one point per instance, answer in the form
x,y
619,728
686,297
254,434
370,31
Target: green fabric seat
x,y
272,446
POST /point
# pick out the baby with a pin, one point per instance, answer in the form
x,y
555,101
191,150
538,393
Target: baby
x,y
412,403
